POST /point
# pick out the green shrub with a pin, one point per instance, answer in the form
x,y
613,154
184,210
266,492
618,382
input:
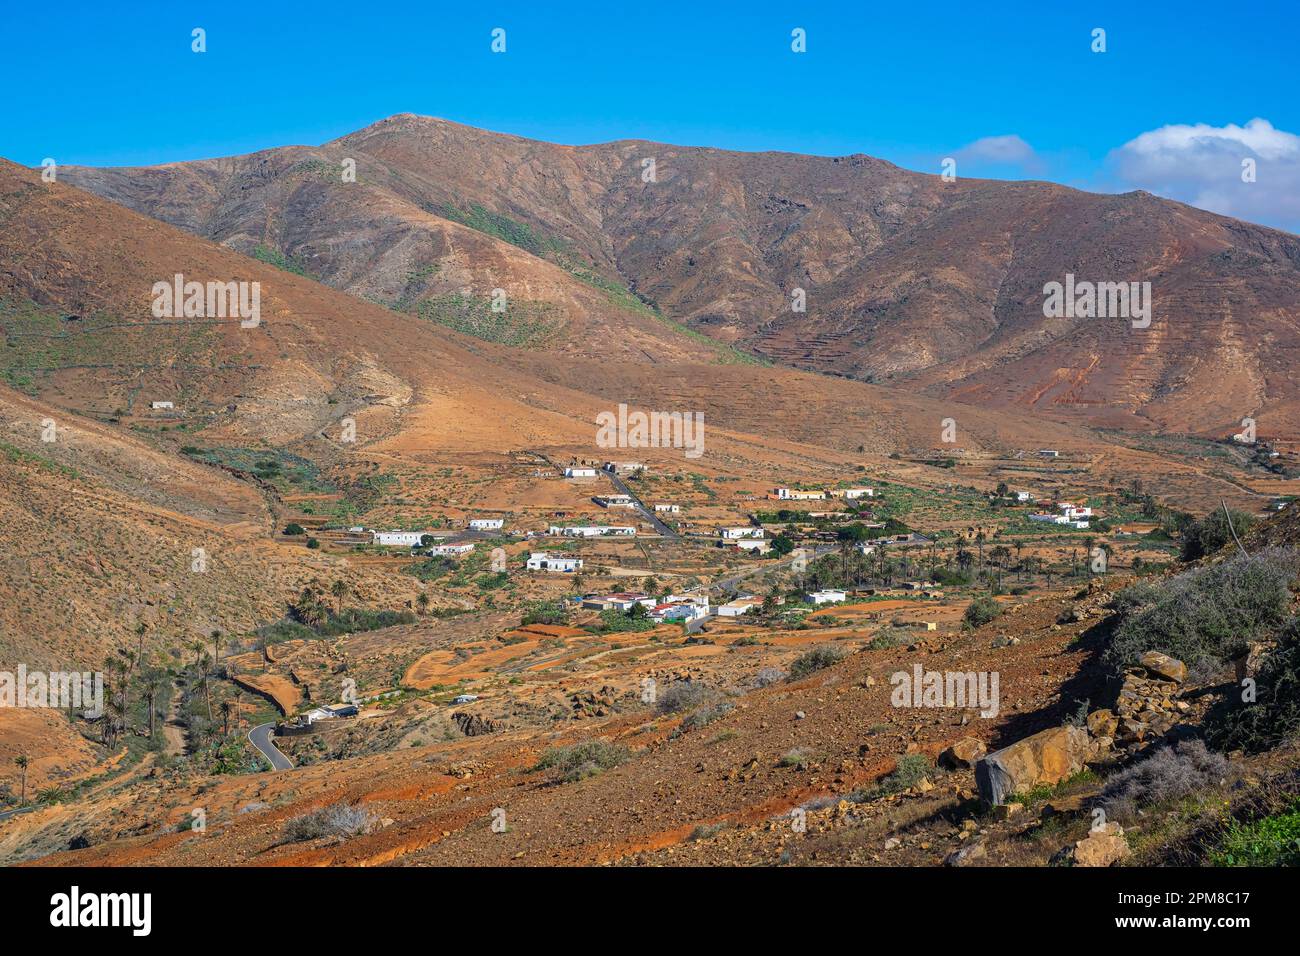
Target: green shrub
x,y
1273,717
337,820
815,660
1207,535
1206,616
580,761
980,611
294,528
890,637
911,770
1272,841
545,612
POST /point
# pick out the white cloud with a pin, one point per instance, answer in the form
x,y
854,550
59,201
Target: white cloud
x,y
998,149
1202,165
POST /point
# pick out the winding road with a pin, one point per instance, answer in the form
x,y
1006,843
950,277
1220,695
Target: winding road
x,y
260,737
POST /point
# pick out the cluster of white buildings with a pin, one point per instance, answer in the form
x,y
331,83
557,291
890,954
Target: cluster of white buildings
x,y
618,601
681,607
1067,513
795,494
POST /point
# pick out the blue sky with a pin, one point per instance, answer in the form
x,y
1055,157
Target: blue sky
x,y
1008,89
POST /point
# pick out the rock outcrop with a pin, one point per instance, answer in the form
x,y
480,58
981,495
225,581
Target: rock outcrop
x,y
1048,757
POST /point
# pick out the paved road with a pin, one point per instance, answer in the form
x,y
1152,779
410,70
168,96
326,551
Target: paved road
x,y
662,527
6,814
260,737
731,581
621,486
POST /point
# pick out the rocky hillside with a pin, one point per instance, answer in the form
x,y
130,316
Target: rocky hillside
x,y
909,280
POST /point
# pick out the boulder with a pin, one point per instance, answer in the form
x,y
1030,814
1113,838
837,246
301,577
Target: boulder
x,y
1162,665
963,754
1102,847
1048,757
1102,723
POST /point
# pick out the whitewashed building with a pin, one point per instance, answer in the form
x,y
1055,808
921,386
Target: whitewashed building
x,y
450,550
828,596
733,534
580,473
853,493
670,509
486,524
398,539
547,561
590,530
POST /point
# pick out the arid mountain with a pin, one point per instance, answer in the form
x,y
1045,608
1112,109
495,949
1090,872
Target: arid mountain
x,y
909,280
75,278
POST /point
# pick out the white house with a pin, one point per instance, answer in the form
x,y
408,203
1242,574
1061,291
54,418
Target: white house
x,y
615,501
547,561
829,596
732,534
450,549
486,524
852,493
1024,496
741,605
157,405
1048,453
619,601
1049,518
793,494
590,530
760,545
679,612
623,467
399,539
1072,511
580,473
671,509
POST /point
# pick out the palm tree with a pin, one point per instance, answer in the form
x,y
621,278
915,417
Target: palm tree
x,y
22,762
140,629
198,647
422,602
980,537
206,665
226,708
216,646
340,590
154,681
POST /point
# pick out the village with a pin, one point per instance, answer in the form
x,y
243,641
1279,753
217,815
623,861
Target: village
x,y
629,567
